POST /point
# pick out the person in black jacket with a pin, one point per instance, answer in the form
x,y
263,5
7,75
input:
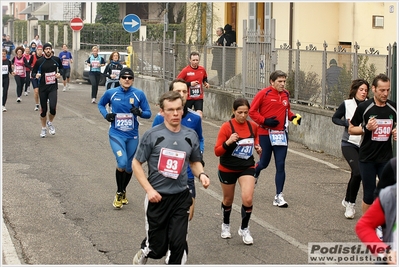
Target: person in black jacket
x,y
230,37
47,71
112,71
217,60
6,71
229,34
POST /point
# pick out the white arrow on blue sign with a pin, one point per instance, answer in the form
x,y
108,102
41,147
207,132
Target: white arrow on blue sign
x,y
131,23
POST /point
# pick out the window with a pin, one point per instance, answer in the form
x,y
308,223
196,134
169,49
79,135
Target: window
x,y
378,22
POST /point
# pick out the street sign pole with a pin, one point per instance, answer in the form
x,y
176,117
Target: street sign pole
x,y
131,23
76,25
165,29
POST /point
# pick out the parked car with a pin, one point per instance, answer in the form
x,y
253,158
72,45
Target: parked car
x,y
147,67
105,55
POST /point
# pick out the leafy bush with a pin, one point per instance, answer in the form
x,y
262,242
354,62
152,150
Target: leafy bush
x,y
308,86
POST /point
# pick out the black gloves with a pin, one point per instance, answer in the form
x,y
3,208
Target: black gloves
x,y
136,111
110,117
296,120
272,122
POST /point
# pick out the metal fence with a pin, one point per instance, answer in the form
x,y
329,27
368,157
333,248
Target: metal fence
x,y
246,69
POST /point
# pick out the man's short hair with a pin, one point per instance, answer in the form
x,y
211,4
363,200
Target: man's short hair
x,y
276,74
380,77
194,53
179,80
169,96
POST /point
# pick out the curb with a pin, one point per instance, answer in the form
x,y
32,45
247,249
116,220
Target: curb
x,y
10,256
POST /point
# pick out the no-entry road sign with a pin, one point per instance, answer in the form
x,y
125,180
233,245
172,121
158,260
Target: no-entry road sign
x,y
76,24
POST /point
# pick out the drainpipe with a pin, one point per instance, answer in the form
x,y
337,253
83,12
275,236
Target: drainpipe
x,y
291,26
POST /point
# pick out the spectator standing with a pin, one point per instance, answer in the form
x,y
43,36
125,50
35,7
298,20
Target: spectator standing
x,y
9,46
19,64
235,144
230,35
67,60
168,199
36,40
35,82
47,71
6,70
332,76
127,103
95,61
195,77
271,109
112,71
350,143
217,60
27,55
375,119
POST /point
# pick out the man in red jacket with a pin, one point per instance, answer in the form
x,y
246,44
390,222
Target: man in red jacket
x,y
195,76
270,108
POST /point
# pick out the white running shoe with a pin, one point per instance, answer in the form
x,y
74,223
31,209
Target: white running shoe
x,y
51,128
139,258
93,100
36,108
19,100
246,236
279,201
26,93
4,109
344,203
350,211
43,133
64,89
225,231
28,89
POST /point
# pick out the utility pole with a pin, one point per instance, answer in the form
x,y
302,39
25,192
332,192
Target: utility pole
x,y
165,29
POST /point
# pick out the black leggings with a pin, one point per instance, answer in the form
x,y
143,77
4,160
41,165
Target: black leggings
x,y
6,85
198,104
20,81
95,81
27,80
51,95
351,154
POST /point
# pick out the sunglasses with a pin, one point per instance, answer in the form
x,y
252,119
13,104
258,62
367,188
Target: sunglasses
x,y
127,77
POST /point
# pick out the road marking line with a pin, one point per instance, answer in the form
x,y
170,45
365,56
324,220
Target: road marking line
x,y
314,159
262,223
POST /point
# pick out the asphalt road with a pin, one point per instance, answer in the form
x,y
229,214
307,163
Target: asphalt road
x,y
58,193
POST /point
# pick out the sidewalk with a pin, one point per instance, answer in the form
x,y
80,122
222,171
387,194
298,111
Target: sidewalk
x,y
9,254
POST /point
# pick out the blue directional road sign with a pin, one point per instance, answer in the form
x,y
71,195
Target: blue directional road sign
x,y
131,23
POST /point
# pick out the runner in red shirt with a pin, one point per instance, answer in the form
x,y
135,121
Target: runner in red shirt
x,y
270,108
195,77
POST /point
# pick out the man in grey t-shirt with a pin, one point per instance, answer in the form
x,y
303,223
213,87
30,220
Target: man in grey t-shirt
x,y
168,149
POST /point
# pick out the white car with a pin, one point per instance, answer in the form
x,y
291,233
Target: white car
x,y
147,67
105,55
